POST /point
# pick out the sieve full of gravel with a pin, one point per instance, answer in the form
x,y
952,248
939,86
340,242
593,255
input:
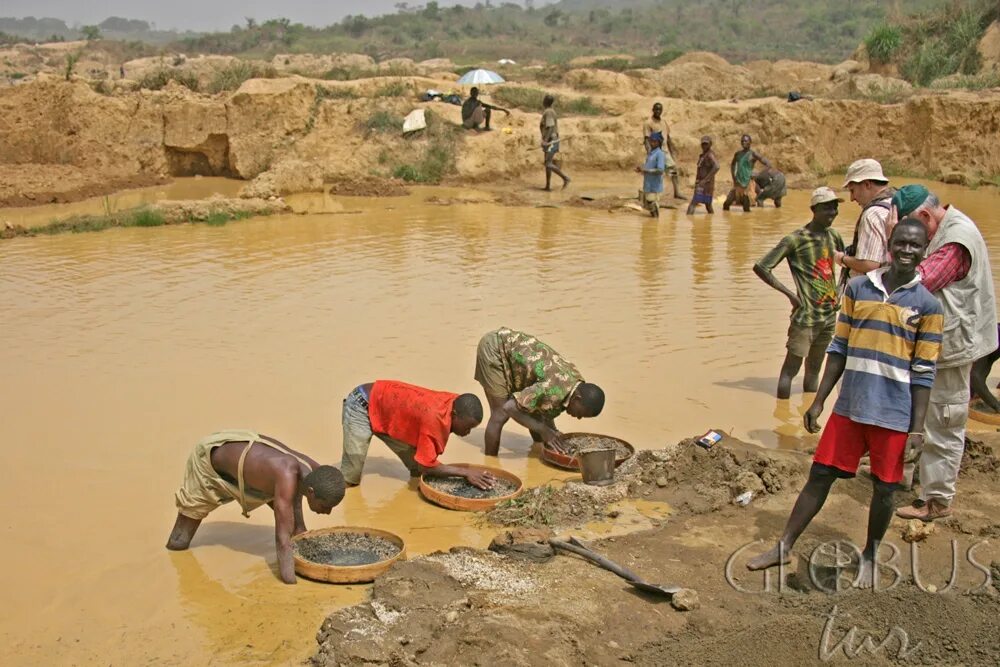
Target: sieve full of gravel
x,y
345,549
459,486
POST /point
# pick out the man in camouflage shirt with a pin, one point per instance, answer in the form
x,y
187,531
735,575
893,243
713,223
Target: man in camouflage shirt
x,y
529,382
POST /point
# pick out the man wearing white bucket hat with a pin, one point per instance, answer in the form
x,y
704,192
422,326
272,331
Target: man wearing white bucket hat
x,y
809,251
869,248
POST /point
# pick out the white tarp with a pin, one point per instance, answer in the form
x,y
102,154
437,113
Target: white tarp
x,y
414,121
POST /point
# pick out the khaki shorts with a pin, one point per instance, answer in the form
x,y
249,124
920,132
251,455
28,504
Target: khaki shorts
x,y
803,341
203,488
489,367
477,118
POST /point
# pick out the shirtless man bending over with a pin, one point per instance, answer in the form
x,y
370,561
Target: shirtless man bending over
x,y
254,470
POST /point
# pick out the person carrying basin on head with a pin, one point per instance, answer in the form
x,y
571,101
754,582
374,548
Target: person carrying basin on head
x,y
652,176
809,251
957,272
770,184
885,346
254,470
414,423
741,169
655,126
475,112
704,184
870,244
529,382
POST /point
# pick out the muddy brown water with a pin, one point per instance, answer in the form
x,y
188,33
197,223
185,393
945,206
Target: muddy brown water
x,y
122,348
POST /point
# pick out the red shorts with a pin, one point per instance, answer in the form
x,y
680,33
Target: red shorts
x,y
844,442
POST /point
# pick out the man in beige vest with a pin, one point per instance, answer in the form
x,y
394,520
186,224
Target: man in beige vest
x,y
957,271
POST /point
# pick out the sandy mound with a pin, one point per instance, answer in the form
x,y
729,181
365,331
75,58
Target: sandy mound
x,y
367,186
587,61
690,479
317,65
179,211
873,86
701,58
600,81
979,461
989,47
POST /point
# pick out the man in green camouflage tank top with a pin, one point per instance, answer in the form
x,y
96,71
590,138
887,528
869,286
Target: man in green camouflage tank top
x,y
529,382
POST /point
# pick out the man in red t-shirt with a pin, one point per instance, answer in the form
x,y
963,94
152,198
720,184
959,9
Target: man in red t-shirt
x,y
414,422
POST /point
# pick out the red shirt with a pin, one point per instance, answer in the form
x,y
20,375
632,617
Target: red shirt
x,y
413,415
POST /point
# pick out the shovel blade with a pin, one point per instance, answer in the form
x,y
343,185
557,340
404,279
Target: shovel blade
x,y
656,588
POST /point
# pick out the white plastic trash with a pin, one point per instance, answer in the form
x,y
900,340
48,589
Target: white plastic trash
x,y
416,120
744,499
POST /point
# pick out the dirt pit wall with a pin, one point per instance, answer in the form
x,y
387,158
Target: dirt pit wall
x,y
295,133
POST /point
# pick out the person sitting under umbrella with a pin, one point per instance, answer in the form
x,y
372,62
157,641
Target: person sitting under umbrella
x,y
475,112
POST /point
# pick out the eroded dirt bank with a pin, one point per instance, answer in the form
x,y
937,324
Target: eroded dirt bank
x,y
61,140
479,607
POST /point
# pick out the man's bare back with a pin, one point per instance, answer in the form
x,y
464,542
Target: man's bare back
x,y
263,464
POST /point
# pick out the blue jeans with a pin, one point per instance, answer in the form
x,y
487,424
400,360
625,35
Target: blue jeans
x,y
358,436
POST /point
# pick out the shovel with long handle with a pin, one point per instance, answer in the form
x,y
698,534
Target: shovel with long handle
x,y
579,548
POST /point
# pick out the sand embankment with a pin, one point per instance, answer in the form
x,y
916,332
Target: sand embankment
x,y
62,140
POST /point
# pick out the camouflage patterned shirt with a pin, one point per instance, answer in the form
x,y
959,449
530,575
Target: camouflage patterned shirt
x,y
539,380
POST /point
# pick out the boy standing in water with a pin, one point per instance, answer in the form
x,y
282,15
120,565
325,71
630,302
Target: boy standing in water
x,y
704,185
655,126
886,346
549,127
652,175
809,252
741,169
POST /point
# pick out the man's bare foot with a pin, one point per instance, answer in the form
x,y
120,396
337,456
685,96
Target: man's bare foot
x,y
866,574
546,189
776,556
565,183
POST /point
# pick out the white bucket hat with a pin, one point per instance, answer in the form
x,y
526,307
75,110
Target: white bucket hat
x,y
823,195
866,169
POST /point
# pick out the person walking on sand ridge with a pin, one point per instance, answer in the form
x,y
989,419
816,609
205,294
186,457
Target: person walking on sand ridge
x,y
549,127
887,340
809,252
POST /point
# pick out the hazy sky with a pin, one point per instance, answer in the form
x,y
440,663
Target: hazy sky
x,y
208,14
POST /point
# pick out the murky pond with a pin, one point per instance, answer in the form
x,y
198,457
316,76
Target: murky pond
x,y
122,348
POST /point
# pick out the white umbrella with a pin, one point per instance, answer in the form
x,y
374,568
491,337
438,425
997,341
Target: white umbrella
x,y
479,77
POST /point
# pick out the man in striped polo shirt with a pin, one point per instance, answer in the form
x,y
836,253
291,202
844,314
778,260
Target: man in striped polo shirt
x,y
885,347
